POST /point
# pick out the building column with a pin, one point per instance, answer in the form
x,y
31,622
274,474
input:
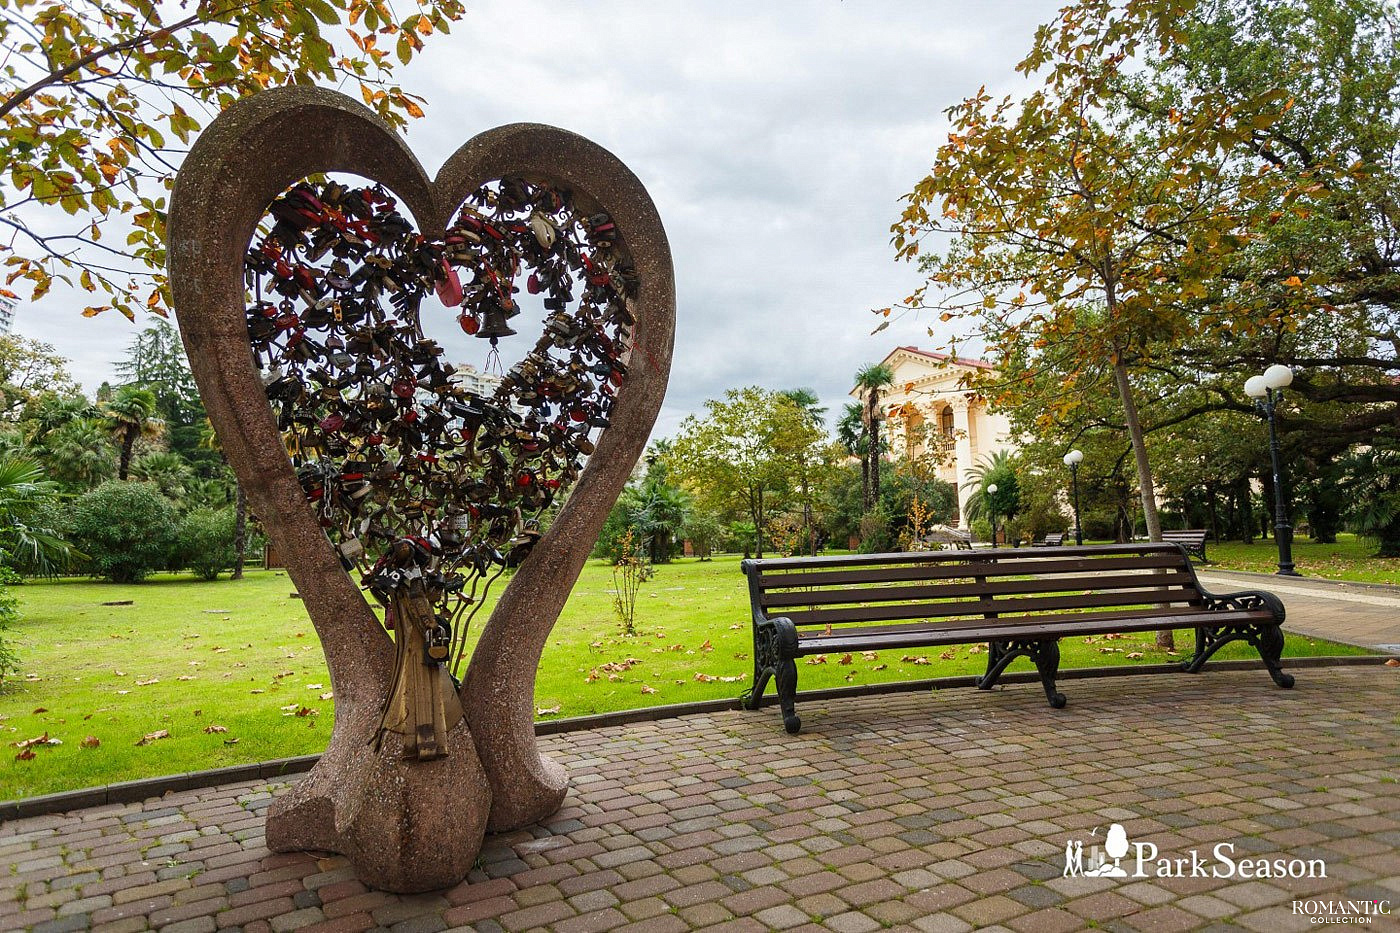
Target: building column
x,y
962,454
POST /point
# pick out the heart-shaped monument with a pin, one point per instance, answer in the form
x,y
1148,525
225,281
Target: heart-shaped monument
x,y
375,456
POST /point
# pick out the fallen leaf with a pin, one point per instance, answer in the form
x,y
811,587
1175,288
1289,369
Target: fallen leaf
x,y
648,690
1393,662
879,667
253,691
546,710
817,659
328,695
150,737
975,649
122,693
25,755
707,646
90,741
44,739
315,686
915,659
39,709
846,659
870,655
119,673
307,711
185,677
232,741
214,727
1134,655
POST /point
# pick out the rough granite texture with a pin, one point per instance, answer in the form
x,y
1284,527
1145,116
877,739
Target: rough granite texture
x,y
404,826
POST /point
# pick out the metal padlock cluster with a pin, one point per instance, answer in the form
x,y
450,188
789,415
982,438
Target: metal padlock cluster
x,y
427,488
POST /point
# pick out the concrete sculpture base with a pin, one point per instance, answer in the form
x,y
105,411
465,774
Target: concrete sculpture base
x,y
406,825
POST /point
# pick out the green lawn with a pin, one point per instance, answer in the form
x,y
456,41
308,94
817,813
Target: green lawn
x,y
187,656
1349,559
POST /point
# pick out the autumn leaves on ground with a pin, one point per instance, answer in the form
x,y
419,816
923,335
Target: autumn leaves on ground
x,y
178,675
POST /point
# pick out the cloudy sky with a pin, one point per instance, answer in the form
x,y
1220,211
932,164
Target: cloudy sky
x,y
776,139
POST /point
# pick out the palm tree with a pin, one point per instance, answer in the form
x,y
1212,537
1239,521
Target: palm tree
x,y
807,402
28,541
657,511
998,468
169,471
131,415
53,412
78,454
872,380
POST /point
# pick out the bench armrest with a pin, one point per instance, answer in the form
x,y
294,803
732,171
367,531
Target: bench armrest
x,y
1245,599
780,630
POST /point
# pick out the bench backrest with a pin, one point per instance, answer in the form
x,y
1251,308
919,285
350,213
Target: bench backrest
x,y
1189,536
1128,579
1054,540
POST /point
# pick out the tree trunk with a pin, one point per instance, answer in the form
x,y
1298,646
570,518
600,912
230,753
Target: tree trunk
x,y
1144,469
128,445
874,463
1246,499
758,526
1214,513
865,478
240,530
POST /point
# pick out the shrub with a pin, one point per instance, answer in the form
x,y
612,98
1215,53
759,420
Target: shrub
x,y
9,612
205,542
127,530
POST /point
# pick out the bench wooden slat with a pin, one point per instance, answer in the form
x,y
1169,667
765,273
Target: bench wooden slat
x,y
1012,587
975,565
771,565
1000,607
913,637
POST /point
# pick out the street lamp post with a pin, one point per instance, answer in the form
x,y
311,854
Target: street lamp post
x,y
992,491
1072,460
1267,392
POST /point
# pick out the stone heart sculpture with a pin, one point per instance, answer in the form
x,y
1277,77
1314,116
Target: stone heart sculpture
x,y
411,815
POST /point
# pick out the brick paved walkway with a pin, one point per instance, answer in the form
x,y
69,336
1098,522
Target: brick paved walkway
x,y
931,812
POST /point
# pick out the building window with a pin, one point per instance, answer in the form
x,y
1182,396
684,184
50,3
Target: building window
x,y
945,420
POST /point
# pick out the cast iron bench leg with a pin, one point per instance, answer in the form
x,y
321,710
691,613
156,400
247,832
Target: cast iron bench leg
x,y
1266,639
786,676
1046,656
764,657
999,654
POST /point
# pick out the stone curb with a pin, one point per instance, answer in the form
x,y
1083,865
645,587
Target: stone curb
x,y
135,791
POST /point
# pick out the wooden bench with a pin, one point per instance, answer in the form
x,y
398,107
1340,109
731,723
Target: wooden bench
x,y
1193,541
948,538
1052,540
1018,601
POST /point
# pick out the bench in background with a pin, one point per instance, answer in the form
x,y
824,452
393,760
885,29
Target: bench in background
x,y
1020,602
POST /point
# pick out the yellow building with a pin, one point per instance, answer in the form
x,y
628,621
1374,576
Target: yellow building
x,y
930,415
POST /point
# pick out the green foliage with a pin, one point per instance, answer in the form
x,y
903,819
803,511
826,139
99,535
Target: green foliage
x,y
204,543
78,454
876,535
753,454
704,532
30,371
1372,485
127,530
97,100
995,469
9,615
30,539
168,471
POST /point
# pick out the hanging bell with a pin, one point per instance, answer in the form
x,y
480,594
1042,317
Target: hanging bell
x,y
494,326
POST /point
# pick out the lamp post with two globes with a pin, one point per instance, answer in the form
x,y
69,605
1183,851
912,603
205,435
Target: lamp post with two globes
x,y
1267,392
1072,460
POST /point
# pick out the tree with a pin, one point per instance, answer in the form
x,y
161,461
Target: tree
x,y
167,471
807,401
155,360
78,454
204,542
130,416
741,456
209,440
995,469
1372,485
96,98
29,371
872,380
127,530
29,542
850,434
1082,233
